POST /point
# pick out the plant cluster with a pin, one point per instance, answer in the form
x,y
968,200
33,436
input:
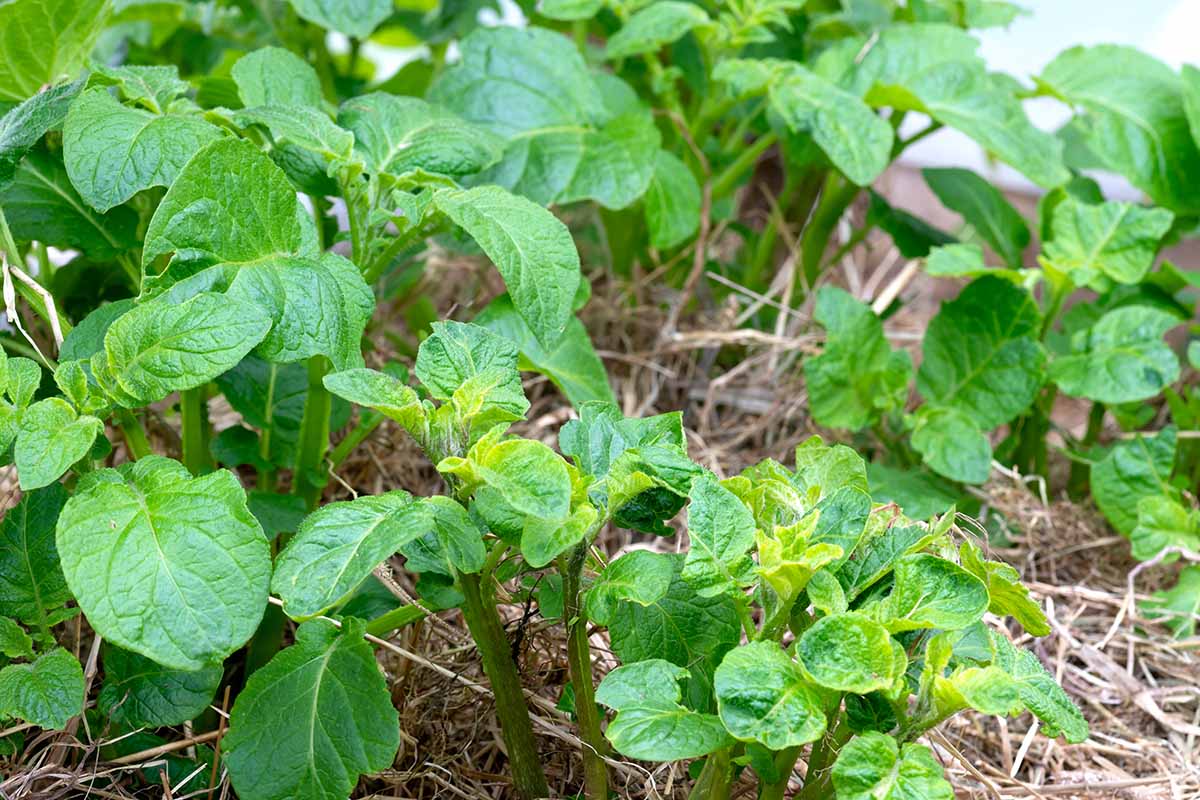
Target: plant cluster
x,y
238,199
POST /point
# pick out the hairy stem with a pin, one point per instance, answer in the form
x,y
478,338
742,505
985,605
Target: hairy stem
x,y
579,661
193,411
819,776
314,434
516,727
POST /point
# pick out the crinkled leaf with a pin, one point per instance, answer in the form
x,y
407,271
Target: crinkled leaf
x,y
850,653
187,558
721,530
302,126
639,576
275,76
382,392
984,208
51,438
931,592
1120,359
822,470
1039,691
763,696
140,693
47,692
872,766
31,581
14,641
153,87
23,126
312,720
43,41
357,18
653,27
1007,595
1097,245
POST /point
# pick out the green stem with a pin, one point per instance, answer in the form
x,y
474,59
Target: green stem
x,y
824,753
266,640
715,777
400,617
516,727
367,423
135,435
724,183
193,410
785,762
836,196
1077,481
35,300
379,266
314,434
579,662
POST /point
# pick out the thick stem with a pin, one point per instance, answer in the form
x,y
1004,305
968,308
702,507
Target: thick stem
x,y
529,781
824,753
314,434
579,661
785,762
715,778
1077,482
135,435
836,196
193,411
724,183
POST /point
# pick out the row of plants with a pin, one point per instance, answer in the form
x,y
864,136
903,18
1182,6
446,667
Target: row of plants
x,y
240,200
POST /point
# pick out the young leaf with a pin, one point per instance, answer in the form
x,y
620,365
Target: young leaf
x,y
52,437
721,531
872,766
112,152
161,347
398,135
153,87
384,393
188,560
653,27
456,353
1097,245
1040,692
530,247
1178,607
458,534
273,76
339,545
312,720
1164,522
931,592
763,696
858,376
878,555
966,261
1131,470
44,41
1007,595
140,693
47,692
952,445
301,126
31,581
851,653
639,576
823,470
571,363
1121,359
984,208
25,125
357,18
651,724
672,202
14,641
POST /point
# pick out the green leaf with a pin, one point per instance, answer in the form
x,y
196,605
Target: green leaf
x,y
570,10
573,135
919,494
602,434
672,202
52,437
872,766
982,357
721,530
339,545
357,18
530,247
23,126
458,353
87,338
571,363
153,87
984,208
112,152
312,720
858,376
1131,470
913,236
682,627
1120,359
966,261
47,692
303,126
653,27
14,642
41,204
1039,692
31,581
823,470
44,41
1007,595
1164,522
458,535
639,576
1096,245
160,347
273,76
651,724
382,392
952,445
1178,607
140,693
931,592
851,653
188,560
763,696
1135,120
398,135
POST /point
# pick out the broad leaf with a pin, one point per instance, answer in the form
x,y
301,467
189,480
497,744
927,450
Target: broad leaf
x,y
272,76
672,202
47,692
338,546
1007,595
140,693
1131,470
312,720
877,556
14,641
1120,359
851,653
31,581
763,696
721,530
653,27
457,353
112,152
931,592
639,576
152,87
189,561
1178,607
23,126
872,766
530,247
357,18
51,438
44,41
984,208
302,126
1164,522
1097,245
952,445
